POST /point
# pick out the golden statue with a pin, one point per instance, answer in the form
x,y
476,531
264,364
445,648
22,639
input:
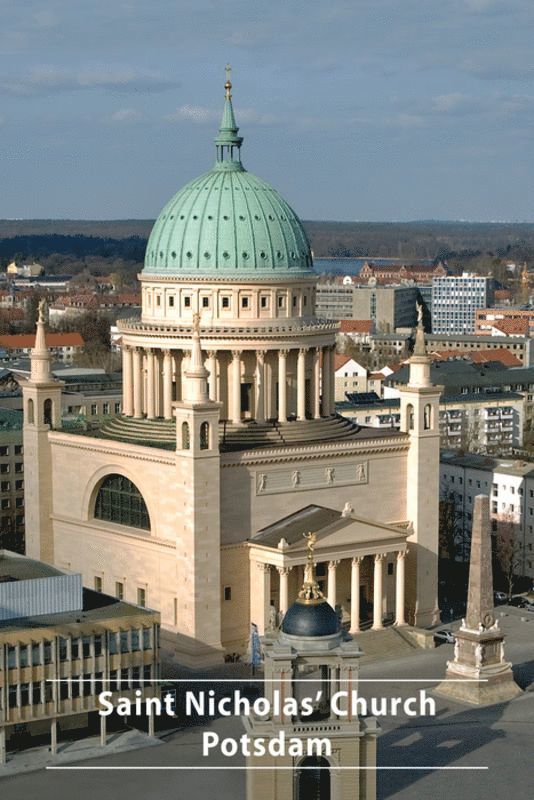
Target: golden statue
x,y
310,592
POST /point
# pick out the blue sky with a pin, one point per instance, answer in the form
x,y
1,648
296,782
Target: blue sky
x,y
364,109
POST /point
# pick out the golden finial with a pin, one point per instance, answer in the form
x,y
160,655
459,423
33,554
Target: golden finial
x,y
310,592
228,84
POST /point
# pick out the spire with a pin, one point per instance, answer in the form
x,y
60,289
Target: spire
x,y
196,389
228,140
40,354
310,594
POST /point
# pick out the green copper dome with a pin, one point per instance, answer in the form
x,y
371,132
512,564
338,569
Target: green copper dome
x,y
228,223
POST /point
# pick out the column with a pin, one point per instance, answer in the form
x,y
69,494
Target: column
x,y
259,413
150,385
3,757
151,726
167,384
263,596
377,593
127,385
137,384
212,377
355,594
284,589
332,381
103,731
316,384
178,375
325,387
235,387
282,385
301,384
332,583
399,588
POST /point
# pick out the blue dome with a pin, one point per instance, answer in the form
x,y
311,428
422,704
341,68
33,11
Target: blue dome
x,y
311,619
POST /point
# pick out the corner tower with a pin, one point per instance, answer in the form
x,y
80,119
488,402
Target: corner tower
x,y
420,420
198,537
42,411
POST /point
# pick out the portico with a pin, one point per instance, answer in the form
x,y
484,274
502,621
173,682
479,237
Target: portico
x,y
360,569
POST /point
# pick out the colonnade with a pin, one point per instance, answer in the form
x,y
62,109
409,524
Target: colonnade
x,y
152,379
332,589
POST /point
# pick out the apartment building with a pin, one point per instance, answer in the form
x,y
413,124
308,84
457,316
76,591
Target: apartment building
x,y
389,307
510,486
455,299
11,480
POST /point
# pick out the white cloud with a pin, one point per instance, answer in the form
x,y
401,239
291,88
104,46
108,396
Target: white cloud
x,y
405,120
126,115
452,103
47,79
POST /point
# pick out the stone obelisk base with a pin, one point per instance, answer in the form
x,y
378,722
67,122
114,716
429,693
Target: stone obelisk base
x,y
479,675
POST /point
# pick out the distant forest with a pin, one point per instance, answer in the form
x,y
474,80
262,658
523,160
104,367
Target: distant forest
x,y
70,246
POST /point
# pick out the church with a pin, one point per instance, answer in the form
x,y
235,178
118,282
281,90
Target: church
x,y
195,499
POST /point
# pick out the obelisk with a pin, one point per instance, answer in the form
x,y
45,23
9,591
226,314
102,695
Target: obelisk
x,y
479,673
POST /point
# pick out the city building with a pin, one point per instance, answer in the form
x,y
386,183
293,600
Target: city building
x,y
419,273
520,346
63,346
463,378
482,423
11,480
228,427
61,645
389,307
509,484
455,299
71,306
509,321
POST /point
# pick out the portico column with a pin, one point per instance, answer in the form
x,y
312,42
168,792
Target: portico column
x,y
316,392
284,589
137,383
332,382
355,594
259,413
127,387
235,388
150,385
301,384
282,385
212,377
167,384
377,593
399,588
265,591
332,583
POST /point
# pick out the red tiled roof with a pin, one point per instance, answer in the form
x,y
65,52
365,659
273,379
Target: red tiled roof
x,y
25,340
512,327
340,360
356,326
501,354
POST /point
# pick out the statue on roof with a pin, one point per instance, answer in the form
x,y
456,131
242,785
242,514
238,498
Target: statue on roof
x,y
43,308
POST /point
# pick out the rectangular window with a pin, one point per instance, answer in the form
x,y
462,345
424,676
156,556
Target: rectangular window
x,y
4,450
146,639
5,486
19,467
19,450
141,597
19,485
281,302
244,302
158,300
5,503
225,302
187,301
264,302
119,590
117,408
98,583
135,640
205,302
94,409
4,469
98,644
171,301
227,592
105,408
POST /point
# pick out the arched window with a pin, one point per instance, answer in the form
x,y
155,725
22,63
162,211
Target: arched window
x,y
47,412
410,417
428,417
204,436
31,414
186,438
119,500
313,782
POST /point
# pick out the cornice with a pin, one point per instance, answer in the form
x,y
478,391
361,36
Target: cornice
x,y
112,448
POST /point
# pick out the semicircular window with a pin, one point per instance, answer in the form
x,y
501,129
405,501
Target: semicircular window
x,y
120,501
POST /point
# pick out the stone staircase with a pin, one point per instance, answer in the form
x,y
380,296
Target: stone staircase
x,y
162,433
383,645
